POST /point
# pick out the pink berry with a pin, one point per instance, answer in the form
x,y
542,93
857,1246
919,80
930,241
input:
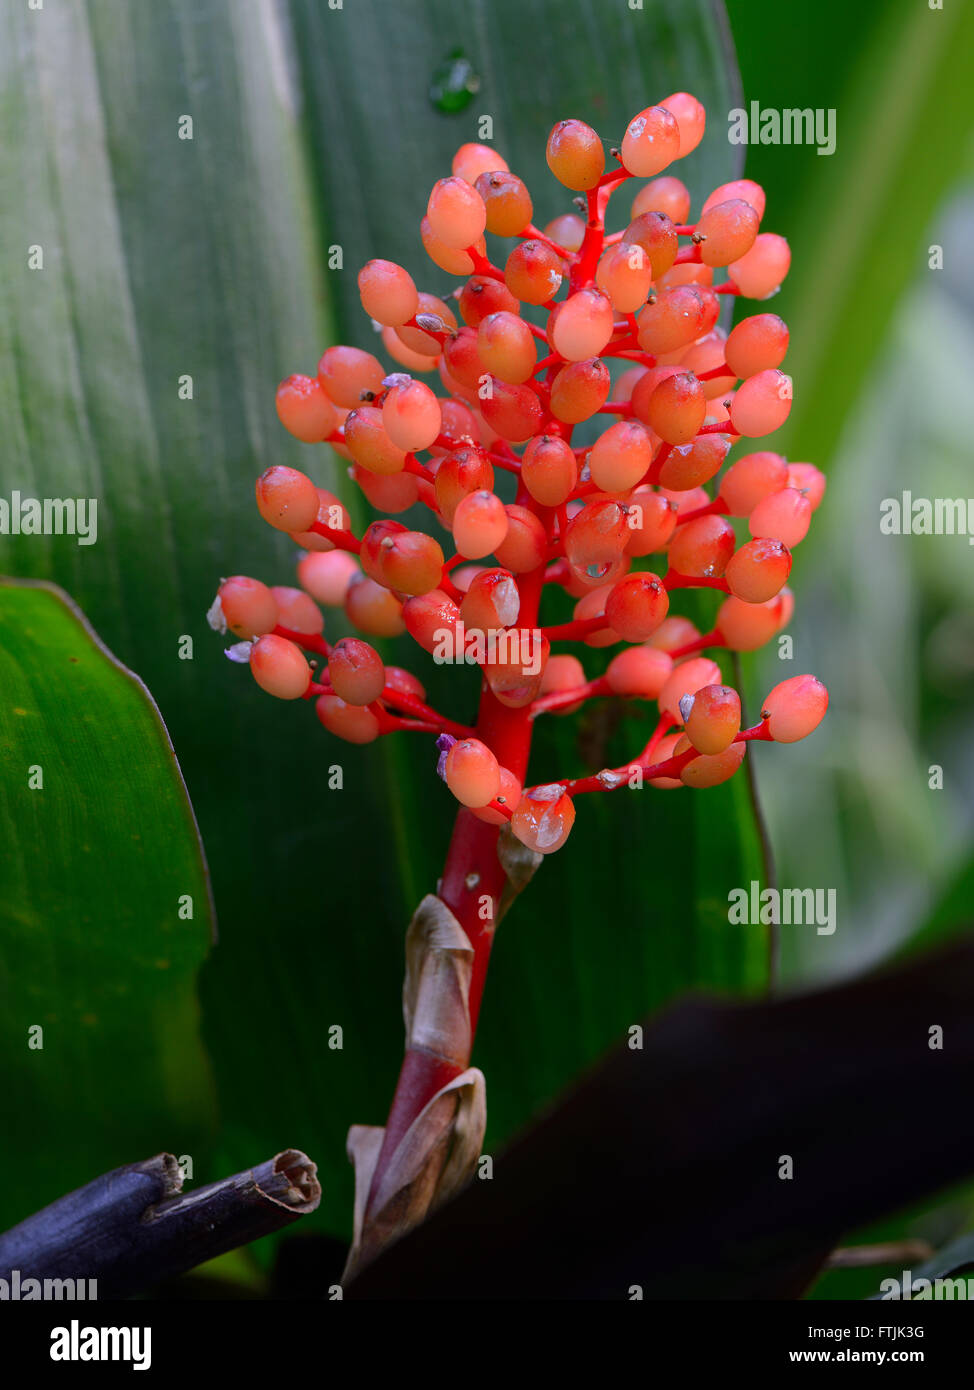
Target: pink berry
x,y
472,772
287,499
279,667
544,818
795,707
247,607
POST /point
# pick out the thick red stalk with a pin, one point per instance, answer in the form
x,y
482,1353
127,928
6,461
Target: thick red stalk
x,y
471,873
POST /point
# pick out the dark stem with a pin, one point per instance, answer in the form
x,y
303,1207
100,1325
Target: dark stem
x,y
135,1227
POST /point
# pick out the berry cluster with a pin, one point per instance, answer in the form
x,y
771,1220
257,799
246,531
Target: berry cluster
x,y
520,356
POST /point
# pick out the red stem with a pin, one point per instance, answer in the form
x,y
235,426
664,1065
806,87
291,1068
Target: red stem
x,y
472,871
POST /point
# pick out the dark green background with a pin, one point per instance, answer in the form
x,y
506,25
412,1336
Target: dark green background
x,y
313,128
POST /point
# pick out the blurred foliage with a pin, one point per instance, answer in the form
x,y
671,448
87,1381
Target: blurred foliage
x,y
880,349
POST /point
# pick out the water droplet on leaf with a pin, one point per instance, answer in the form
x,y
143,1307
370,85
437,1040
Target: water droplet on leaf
x,y
453,83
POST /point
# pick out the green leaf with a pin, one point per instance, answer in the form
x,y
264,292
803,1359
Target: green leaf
x,y
102,865
313,129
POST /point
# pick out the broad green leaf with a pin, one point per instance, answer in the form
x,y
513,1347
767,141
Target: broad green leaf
x,y
105,913
167,258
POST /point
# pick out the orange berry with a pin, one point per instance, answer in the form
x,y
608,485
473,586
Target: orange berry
x,y
713,718
509,794
689,465
287,499
331,513
387,292
472,160
651,141
746,626
758,570
549,470
750,478
625,274
507,201
665,194
373,609
686,678
691,119
479,524
747,189
388,492
356,671
353,723
639,671
579,389
472,772
727,231
348,373
304,409
279,667
710,770
568,231
575,155
636,606
512,411
456,212
783,515
544,818
621,456
655,235
245,606
430,617
327,576
296,611
702,548
755,344
525,544
533,273
369,442
505,346
581,325
491,602
760,271
563,672
463,471
410,415
794,708
676,409
448,258
482,295
762,403
652,520
664,751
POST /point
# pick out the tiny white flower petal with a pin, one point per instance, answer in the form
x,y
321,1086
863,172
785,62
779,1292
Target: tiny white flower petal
x,y
215,616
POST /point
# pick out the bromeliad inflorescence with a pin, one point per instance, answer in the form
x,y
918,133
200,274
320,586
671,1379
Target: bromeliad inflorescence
x,y
522,355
